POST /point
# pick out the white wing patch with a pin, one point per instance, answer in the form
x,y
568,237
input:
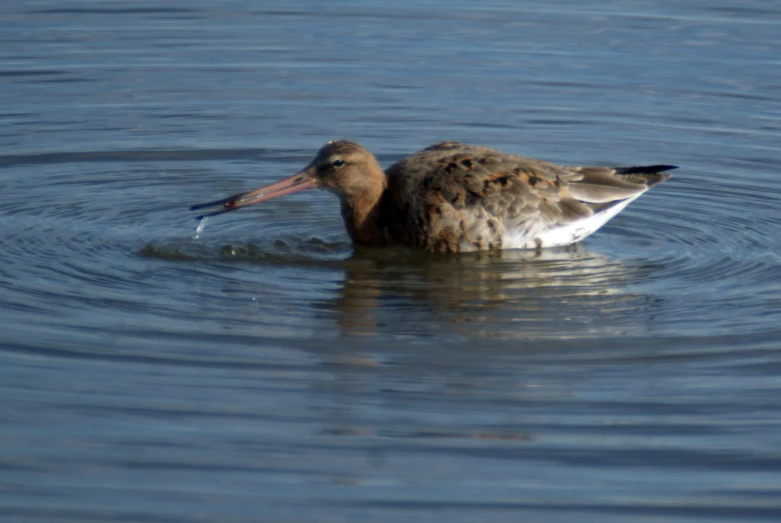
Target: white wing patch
x,y
564,234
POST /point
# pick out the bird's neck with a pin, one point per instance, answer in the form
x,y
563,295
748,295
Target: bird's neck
x,y
361,213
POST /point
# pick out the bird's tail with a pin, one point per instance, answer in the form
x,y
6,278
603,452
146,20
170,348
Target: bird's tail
x,y
648,175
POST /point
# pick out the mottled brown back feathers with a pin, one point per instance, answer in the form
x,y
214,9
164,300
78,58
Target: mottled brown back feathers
x,y
452,196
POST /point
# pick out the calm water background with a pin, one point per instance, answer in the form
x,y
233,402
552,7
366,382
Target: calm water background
x,y
266,371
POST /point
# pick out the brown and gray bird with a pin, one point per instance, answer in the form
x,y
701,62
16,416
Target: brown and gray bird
x,y
452,197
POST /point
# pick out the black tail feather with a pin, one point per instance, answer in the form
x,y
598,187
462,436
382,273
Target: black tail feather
x,y
645,169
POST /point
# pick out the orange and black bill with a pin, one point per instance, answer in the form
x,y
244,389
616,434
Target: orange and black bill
x,y
299,182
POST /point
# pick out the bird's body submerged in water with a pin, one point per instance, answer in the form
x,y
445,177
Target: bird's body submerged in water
x,y
452,197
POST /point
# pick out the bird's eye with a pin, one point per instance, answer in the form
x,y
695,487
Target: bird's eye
x,y
337,163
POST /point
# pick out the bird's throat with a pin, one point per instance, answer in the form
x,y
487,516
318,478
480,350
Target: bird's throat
x,y
361,215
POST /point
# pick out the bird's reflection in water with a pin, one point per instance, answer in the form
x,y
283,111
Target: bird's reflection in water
x,y
565,293
511,294
531,299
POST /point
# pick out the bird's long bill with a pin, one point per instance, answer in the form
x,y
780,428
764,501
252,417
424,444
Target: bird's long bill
x,y
298,182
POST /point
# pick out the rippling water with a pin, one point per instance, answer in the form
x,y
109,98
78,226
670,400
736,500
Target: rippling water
x,y
264,370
